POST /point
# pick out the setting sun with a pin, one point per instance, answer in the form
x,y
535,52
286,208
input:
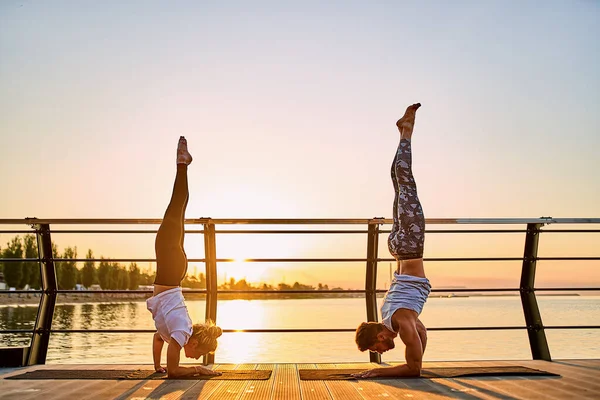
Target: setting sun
x,y
251,272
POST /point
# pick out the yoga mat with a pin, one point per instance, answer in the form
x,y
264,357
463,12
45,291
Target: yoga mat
x,y
442,372
125,374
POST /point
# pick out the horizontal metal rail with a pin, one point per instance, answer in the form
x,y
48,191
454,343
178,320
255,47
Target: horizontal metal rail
x,y
315,291
279,232
305,330
297,221
308,260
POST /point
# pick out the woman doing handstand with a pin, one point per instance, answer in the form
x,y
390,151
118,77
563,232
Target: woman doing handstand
x,y
167,305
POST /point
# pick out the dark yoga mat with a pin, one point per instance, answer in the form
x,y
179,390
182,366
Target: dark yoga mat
x,y
137,374
449,372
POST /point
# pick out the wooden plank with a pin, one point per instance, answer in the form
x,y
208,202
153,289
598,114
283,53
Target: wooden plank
x,y
231,390
259,390
536,387
103,389
422,388
457,388
56,389
25,390
571,384
286,384
367,388
162,389
575,371
340,390
312,390
592,364
204,389
512,387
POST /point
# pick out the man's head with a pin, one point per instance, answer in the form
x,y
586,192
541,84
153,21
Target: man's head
x,y
375,337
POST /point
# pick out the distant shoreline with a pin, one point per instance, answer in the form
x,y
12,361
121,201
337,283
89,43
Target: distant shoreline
x,y
87,297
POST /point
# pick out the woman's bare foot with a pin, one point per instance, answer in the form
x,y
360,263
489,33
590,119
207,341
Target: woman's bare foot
x,y
183,156
407,122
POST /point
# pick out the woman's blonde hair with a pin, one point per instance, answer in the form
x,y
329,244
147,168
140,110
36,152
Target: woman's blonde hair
x,y
207,335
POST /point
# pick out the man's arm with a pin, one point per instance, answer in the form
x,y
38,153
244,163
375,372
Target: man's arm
x,y
174,370
414,356
422,331
157,345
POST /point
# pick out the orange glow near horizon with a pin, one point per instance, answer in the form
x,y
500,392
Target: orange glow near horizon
x,y
251,272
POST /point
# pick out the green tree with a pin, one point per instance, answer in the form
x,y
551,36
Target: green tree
x,y
242,285
31,251
122,278
57,264
25,270
104,273
193,282
147,277
134,276
68,270
113,275
300,286
202,281
88,272
13,271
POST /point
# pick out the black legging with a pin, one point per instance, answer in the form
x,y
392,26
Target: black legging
x,y
171,261
407,239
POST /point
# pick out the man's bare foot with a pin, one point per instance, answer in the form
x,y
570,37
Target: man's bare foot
x,y
407,122
183,156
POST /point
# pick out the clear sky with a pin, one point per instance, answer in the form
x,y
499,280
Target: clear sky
x,y
289,111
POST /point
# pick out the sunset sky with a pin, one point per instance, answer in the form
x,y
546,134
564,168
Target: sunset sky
x,y
289,112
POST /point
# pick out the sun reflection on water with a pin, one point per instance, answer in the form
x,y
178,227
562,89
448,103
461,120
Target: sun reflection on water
x,y
241,314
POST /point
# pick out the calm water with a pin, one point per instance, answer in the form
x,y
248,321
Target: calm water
x,y
315,313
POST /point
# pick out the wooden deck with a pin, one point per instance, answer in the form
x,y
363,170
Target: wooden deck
x,y
580,379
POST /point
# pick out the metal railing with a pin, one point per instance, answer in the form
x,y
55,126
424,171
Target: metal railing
x,y
533,228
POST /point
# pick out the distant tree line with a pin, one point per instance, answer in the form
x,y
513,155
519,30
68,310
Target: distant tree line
x,y
242,284
107,274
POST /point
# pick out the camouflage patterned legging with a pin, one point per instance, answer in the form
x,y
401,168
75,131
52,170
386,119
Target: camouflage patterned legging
x,y
407,238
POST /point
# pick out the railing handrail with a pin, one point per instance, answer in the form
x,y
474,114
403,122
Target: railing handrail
x,y
296,221
526,289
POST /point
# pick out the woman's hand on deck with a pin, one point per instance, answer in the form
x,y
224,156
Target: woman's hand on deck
x,y
371,373
206,371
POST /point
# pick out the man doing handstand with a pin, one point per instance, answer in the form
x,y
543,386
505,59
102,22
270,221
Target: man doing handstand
x,y
409,289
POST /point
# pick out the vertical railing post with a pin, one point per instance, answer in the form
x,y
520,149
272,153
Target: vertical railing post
x,y
210,255
371,279
533,318
43,323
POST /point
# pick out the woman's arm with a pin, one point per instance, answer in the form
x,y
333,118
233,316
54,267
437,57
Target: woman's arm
x,y
157,345
174,370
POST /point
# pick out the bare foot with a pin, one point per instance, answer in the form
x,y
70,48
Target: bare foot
x,y
407,122
183,156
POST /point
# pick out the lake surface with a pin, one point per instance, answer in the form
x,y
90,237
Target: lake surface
x,y
315,313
